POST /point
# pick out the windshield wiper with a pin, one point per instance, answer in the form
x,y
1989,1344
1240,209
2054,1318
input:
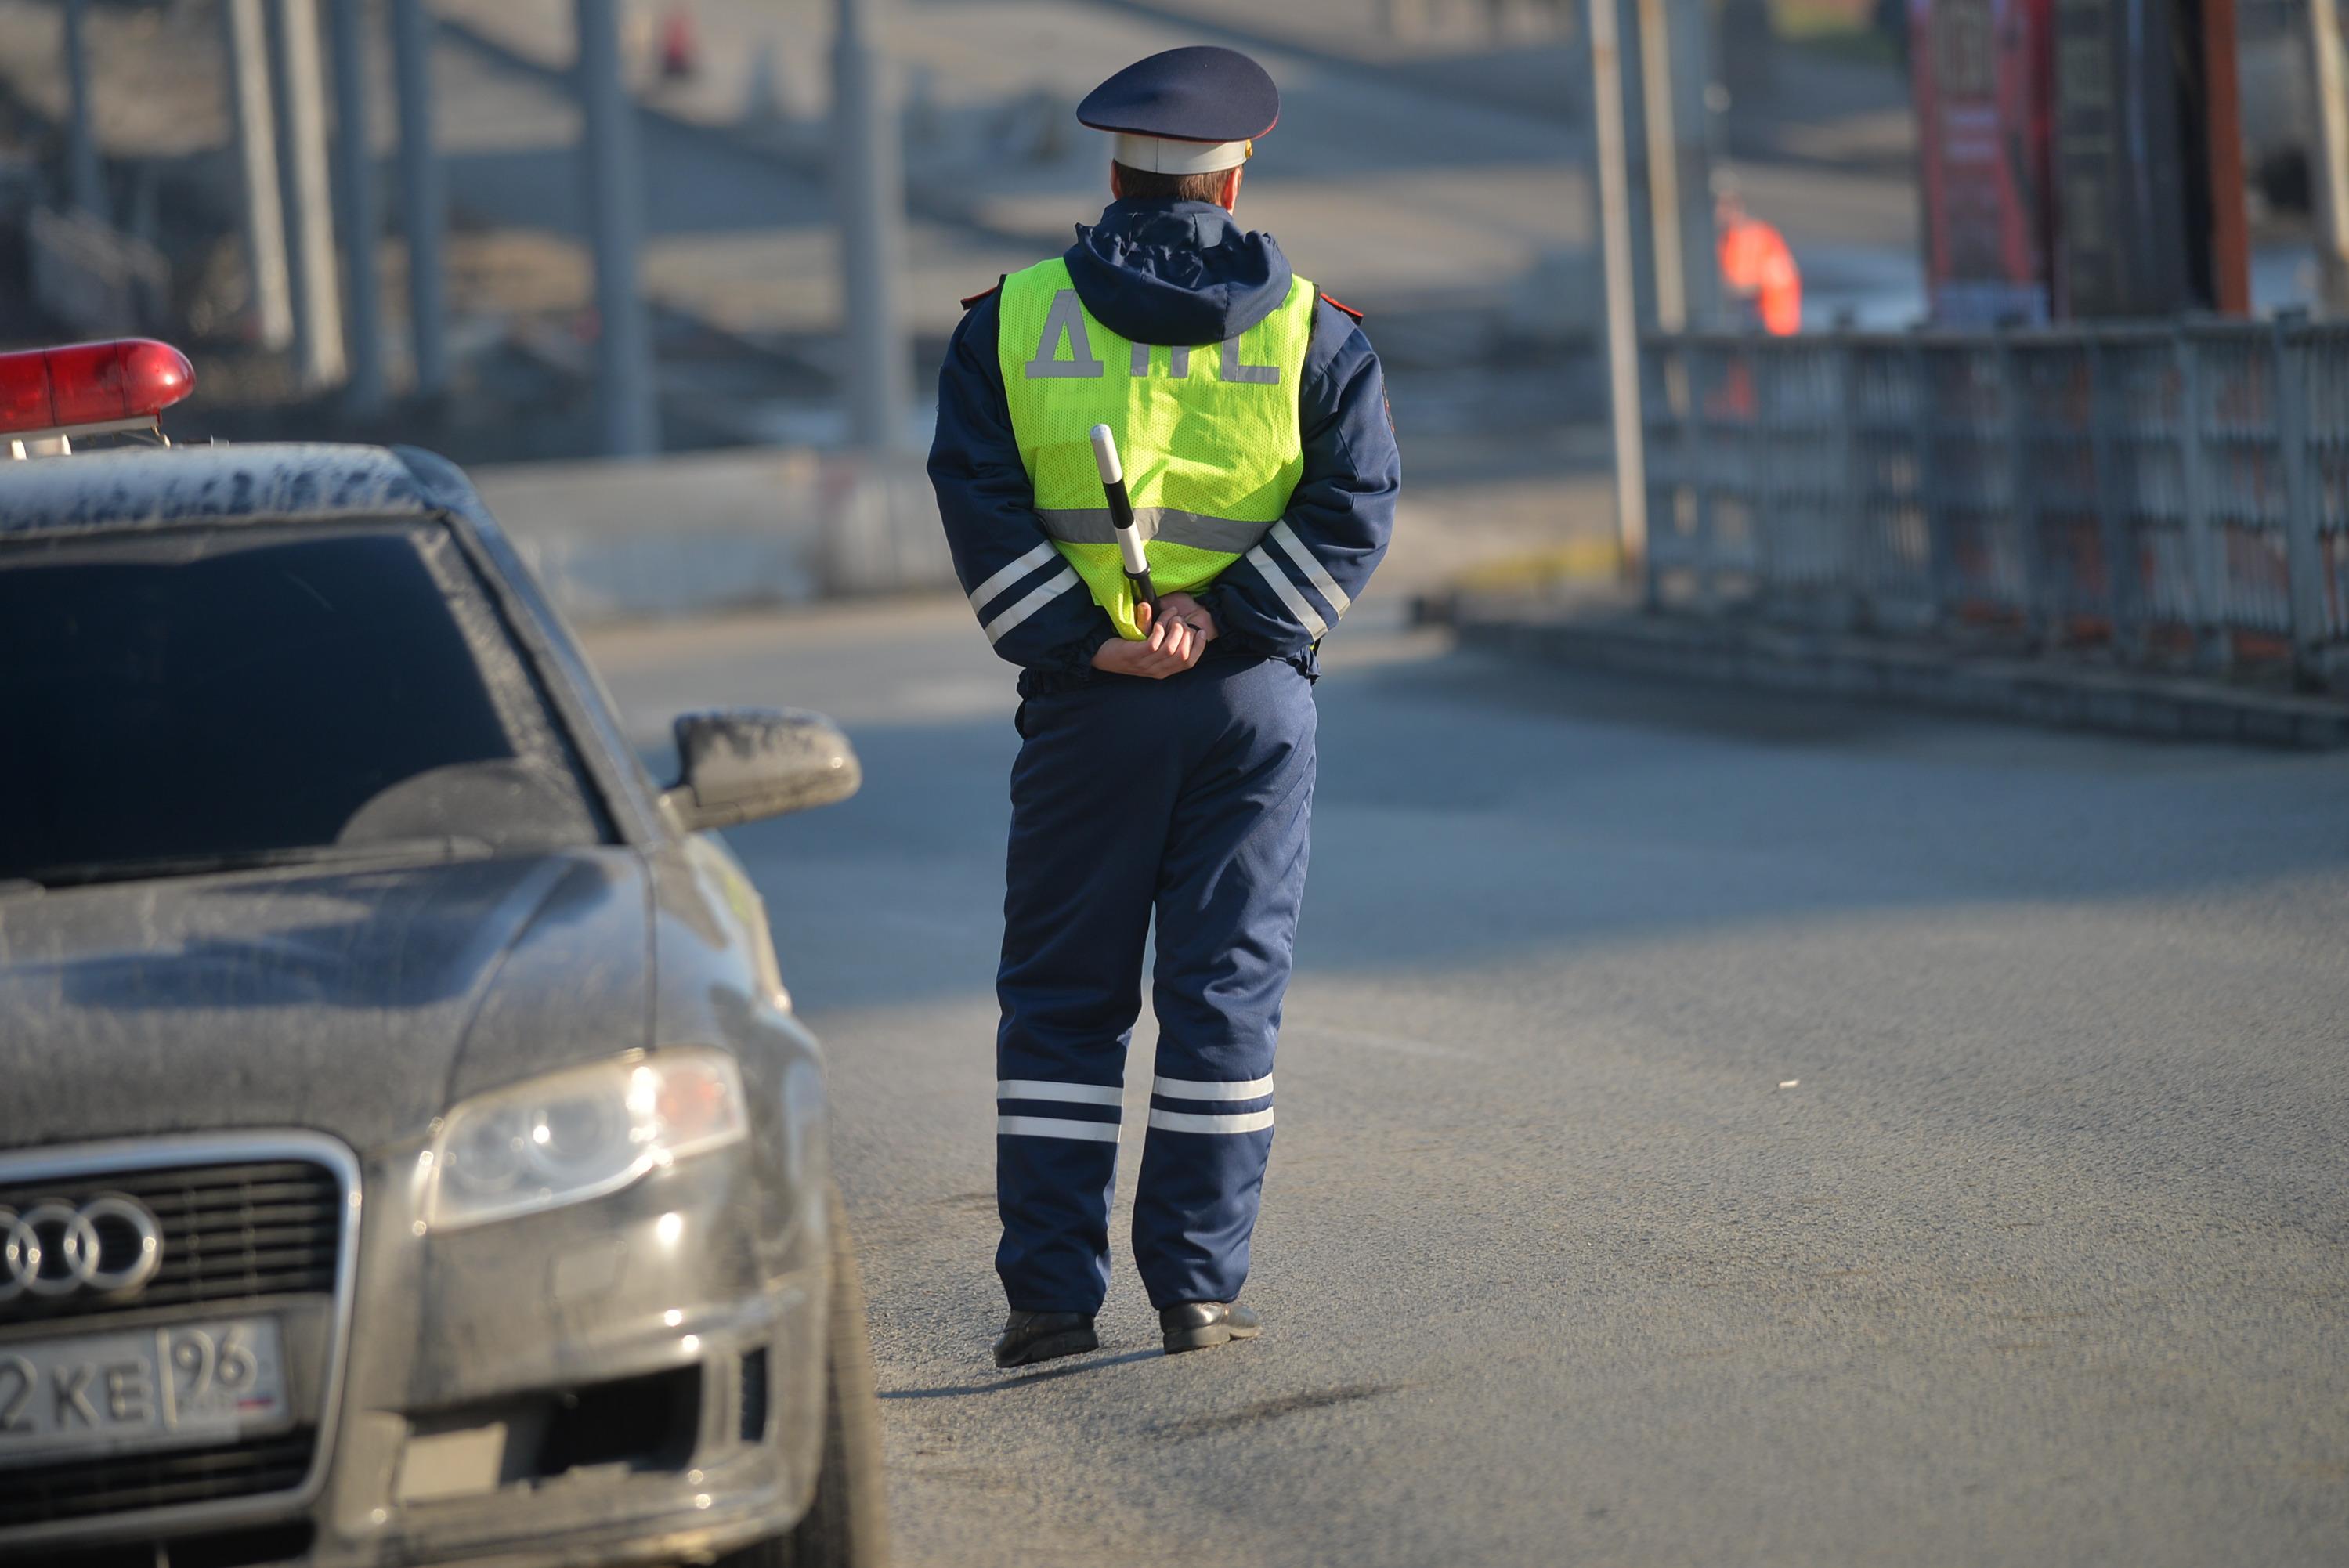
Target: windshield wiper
x,y
87,873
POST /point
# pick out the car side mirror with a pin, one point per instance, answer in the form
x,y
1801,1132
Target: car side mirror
x,y
737,765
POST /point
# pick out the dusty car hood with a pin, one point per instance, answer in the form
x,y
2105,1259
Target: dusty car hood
x,y
339,1000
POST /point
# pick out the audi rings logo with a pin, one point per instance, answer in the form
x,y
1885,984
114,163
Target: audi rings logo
x,y
107,1245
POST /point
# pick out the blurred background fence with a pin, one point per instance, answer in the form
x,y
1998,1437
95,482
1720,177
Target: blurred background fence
x,y
2178,495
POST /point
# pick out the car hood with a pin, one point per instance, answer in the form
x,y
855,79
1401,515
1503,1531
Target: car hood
x,y
352,1002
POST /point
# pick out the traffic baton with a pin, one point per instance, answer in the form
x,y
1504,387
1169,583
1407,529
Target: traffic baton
x,y
1121,518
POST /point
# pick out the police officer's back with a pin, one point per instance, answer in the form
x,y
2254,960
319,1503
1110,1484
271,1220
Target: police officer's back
x,y
1167,761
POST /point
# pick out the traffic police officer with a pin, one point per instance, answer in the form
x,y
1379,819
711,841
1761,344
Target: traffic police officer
x,y
1167,762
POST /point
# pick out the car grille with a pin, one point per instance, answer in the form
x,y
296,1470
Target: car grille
x,y
88,1488
230,1232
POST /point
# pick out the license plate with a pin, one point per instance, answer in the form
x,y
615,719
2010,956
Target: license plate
x,y
182,1387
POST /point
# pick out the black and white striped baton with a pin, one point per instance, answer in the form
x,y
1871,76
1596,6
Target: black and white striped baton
x,y
1121,518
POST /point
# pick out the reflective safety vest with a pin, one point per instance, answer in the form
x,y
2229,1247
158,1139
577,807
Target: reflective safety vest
x,y
1208,436
1759,273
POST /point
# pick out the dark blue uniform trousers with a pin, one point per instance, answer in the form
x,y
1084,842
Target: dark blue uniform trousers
x,y
1189,798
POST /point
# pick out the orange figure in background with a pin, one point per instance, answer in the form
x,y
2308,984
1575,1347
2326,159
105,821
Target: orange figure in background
x,y
1758,273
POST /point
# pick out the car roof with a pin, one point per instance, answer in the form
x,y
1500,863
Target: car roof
x,y
263,482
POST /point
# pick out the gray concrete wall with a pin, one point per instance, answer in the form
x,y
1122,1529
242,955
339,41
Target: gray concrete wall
x,y
707,531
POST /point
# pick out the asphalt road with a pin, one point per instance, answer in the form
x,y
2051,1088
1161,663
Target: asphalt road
x,y
1712,1131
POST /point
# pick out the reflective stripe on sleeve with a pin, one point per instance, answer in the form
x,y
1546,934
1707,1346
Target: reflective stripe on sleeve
x,y
1190,1121
1297,603
987,592
1197,1089
1067,1093
1054,1127
1052,588
1315,572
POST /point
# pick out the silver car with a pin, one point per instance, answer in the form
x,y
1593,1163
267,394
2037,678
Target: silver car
x,y
408,1150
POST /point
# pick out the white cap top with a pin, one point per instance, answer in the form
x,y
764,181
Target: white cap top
x,y
1105,456
1166,155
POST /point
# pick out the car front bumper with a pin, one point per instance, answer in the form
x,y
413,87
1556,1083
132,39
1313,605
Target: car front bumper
x,y
635,1378
638,1377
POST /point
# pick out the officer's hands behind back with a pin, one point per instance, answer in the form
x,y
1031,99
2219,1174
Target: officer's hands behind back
x,y
1190,612
1172,646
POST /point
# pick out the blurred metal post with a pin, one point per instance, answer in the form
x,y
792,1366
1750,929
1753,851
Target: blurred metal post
x,y
1924,433
624,358
2329,154
423,202
2206,557
301,183
1631,82
1661,363
2303,500
253,123
1851,488
1695,137
2116,517
2042,607
355,183
1663,165
1615,249
869,197
87,181
1714,461
1672,79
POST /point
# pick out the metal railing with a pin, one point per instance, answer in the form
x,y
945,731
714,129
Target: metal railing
x,y
2176,494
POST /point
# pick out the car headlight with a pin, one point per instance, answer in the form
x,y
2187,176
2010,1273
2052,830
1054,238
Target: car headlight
x,y
579,1134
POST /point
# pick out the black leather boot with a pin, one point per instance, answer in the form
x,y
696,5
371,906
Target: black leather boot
x,y
1029,1336
1198,1325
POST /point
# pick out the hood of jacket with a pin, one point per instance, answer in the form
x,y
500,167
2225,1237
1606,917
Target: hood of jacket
x,y
1175,272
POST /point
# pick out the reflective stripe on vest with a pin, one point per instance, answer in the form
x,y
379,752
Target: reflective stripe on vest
x,y
1209,435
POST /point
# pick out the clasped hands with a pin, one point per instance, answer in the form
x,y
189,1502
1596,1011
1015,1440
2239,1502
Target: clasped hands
x,y
1174,640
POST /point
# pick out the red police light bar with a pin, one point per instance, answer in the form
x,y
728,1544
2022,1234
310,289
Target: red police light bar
x,y
88,388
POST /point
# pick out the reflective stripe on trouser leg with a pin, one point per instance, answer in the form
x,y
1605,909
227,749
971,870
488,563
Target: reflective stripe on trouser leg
x,y
1230,887
1082,865
1055,1171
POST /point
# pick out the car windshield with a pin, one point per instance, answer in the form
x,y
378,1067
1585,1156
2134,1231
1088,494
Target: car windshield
x,y
207,699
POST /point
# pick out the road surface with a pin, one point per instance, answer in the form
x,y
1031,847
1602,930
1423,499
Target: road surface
x,y
1712,1131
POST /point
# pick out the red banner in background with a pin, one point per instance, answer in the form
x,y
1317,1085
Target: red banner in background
x,y
1983,107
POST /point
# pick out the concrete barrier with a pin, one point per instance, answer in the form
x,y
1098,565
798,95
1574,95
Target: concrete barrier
x,y
1939,676
699,532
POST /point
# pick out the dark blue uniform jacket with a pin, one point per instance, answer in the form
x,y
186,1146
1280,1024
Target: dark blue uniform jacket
x,y
1169,273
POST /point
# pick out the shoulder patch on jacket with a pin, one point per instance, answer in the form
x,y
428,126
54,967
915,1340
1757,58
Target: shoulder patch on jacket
x,y
982,293
1342,305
